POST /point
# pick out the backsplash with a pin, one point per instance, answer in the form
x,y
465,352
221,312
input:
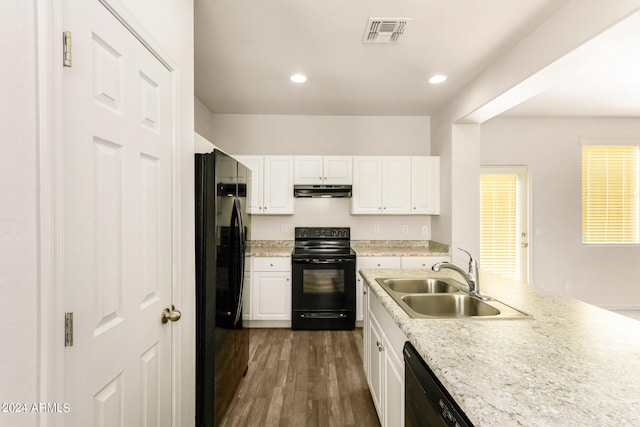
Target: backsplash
x,y
331,212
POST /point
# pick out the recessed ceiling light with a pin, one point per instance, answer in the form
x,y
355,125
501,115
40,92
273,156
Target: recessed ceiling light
x,y
438,78
298,78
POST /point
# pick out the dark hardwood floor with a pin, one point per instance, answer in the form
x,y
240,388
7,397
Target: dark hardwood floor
x,y
303,378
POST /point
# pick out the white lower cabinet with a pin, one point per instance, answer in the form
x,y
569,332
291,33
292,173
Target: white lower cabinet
x,y
271,289
384,368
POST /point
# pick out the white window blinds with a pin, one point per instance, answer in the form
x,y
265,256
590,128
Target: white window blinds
x,y
610,194
498,230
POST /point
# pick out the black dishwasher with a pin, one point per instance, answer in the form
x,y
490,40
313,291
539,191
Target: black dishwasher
x,y
426,401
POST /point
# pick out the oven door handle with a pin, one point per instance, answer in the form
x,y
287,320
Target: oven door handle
x,y
322,261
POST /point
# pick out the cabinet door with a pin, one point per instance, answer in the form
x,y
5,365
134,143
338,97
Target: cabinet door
x,y
376,365
396,185
278,185
425,185
367,185
393,387
359,297
308,170
271,292
338,170
255,183
365,328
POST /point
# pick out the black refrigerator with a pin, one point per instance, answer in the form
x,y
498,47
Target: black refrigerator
x,y
222,233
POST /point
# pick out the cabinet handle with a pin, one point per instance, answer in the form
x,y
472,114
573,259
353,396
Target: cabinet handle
x,y
265,208
364,291
271,265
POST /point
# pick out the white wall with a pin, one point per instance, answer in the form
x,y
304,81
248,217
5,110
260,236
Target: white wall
x,y
321,212
18,210
348,135
603,275
202,119
327,135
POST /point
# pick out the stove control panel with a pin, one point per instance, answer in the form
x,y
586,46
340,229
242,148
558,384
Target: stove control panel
x,y
323,232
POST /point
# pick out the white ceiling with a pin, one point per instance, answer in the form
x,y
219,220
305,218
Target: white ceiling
x,y
245,51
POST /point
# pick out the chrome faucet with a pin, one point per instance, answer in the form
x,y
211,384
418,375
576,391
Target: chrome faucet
x,y
472,278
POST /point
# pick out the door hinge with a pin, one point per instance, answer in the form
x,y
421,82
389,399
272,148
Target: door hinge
x,y
66,49
68,329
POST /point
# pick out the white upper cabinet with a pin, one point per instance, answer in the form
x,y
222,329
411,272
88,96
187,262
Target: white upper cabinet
x,y
254,183
425,185
332,170
396,185
367,185
271,186
278,185
381,185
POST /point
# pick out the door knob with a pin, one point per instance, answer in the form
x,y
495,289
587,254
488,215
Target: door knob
x,y
171,314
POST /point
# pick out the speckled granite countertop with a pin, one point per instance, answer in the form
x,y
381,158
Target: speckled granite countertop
x,y
278,248
270,248
571,364
399,248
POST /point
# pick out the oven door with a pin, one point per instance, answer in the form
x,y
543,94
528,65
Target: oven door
x,y
323,289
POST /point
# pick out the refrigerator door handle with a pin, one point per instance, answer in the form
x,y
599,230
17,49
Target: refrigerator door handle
x,y
236,219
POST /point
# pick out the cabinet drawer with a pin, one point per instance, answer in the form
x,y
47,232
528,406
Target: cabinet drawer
x,y
422,261
272,264
379,262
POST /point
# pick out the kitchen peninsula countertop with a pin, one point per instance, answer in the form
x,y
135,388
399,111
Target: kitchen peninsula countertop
x,y
570,364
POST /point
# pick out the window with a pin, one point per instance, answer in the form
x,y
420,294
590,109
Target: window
x,y
610,194
498,224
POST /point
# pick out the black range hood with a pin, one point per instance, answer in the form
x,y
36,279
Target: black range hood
x,y
322,191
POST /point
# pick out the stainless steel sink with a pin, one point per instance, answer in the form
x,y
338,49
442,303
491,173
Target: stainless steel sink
x,y
443,298
457,305
419,286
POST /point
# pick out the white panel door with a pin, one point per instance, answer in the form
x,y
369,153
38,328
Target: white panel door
x,y
117,224
396,185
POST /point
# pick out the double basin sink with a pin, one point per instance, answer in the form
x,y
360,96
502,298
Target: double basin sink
x,y
443,298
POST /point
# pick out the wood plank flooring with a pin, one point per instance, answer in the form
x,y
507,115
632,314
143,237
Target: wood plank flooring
x,y
303,378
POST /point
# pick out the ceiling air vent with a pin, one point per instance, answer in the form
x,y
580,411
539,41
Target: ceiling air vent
x,y
385,30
